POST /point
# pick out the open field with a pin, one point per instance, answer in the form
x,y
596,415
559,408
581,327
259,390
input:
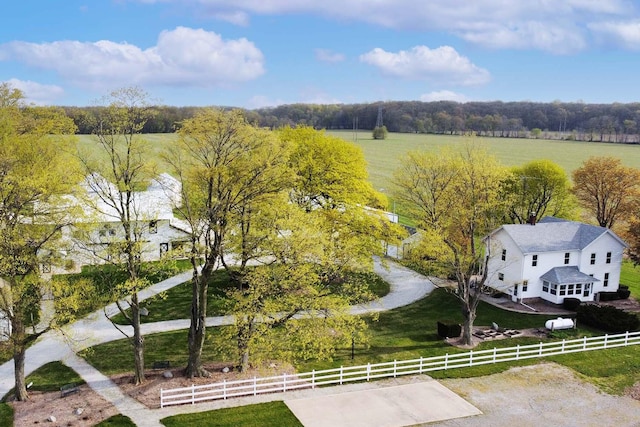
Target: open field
x,y
384,156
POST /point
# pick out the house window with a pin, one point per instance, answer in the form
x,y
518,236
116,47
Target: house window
x,y
554,289
504,254
563,290
570,289
608,257
501,277
567,257
593,259
545,286
578,288
153,227
525,285
534,260
605,283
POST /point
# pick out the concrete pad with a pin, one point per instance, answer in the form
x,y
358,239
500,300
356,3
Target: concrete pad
x,y
397,406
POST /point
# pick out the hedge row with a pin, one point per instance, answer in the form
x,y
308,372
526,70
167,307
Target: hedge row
x,y
608,318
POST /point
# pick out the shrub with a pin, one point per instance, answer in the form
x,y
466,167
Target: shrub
x,y
607,318
449,330
571,304
624,293
609,296
623,287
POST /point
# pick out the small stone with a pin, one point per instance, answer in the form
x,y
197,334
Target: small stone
x,y
167,374
226,369
52,419
78,411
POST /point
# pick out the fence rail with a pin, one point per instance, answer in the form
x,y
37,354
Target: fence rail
x,y
345,374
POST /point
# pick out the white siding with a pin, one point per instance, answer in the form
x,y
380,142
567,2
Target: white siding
x,y
511,267
600,247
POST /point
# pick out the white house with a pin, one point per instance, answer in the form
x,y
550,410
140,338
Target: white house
x,y
553,259
160,231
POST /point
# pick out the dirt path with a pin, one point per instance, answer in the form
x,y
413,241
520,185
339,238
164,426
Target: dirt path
x,y
542,395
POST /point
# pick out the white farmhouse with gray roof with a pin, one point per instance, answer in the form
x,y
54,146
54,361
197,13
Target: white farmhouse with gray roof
x,y
554,259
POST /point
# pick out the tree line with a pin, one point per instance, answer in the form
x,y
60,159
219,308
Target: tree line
x,y
617,122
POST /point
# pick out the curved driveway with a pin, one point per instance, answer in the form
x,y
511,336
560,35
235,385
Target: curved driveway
x,y
407,286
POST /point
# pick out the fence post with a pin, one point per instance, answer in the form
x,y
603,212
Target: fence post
x,y
584,343
540,351
341,371
161,397
368,371
495,354
446,360
420,364
626,338
193,394
313,379
395,367
471,358
255,385
562,348
284,382
605,340
518,352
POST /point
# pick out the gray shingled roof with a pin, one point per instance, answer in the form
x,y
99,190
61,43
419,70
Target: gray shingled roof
x,y
568,274
552,234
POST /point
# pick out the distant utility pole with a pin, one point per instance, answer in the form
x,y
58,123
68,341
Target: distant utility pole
x,y
355,128
379,119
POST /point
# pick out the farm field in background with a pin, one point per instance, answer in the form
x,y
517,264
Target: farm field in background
x,y
383,156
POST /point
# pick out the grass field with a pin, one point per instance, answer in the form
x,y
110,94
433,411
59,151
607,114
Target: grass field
x,y
384,156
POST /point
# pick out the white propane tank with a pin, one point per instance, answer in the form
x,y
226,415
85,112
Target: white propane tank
x,y
559,323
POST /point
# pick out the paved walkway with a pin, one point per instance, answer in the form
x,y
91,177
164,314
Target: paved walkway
x,y
407,286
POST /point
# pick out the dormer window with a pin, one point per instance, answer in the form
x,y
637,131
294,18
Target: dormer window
x,y
567,257
534,260
504,254
593,259
608,257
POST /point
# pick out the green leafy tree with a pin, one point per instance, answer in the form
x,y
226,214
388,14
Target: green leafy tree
x,y
380,132
226,166
37,172
606,189
116,168
456,198
539,188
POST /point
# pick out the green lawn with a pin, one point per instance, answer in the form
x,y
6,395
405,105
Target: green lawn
x,y
272,414
50,377
6,415
630,276
176,302
117,421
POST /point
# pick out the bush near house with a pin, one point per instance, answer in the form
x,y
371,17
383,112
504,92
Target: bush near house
x,y
571,304
449,330
608,318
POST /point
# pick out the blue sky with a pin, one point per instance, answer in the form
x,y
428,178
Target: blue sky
x,y
256,53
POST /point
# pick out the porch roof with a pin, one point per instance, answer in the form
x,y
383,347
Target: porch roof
x,y
568,274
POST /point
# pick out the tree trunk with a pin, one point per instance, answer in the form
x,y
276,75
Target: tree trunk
x,y
19,352
138,341
469,315
197,327
244,336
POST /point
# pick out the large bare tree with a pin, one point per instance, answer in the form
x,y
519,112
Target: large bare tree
x,y
456,197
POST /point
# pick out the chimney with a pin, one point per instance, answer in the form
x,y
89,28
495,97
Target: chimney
x,y
532,218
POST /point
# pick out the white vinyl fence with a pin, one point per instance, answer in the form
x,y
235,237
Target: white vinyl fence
x,y
286,382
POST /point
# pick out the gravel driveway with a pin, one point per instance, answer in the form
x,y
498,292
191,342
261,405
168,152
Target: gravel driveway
x,y
541,395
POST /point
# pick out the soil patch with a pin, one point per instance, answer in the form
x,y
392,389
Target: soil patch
x,y
84,408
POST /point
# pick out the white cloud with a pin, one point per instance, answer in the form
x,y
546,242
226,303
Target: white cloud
x,y
558,26
184,56
622,33
326,55
443,95
440,65
261,101
37,93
